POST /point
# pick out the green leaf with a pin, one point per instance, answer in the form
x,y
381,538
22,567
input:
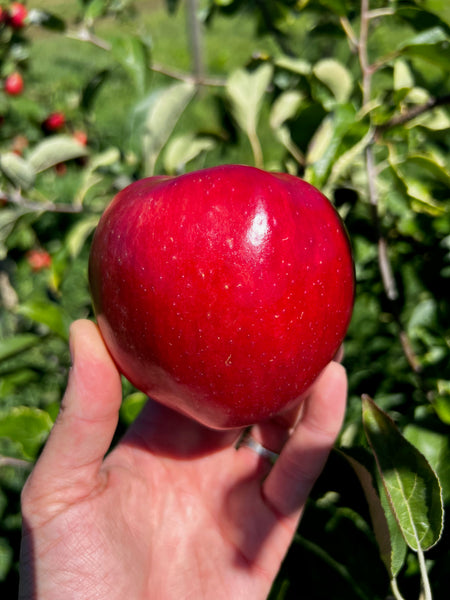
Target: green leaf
x,y
436,448
19,343
420,174
246,92
347,160
411,485
325,144
132,406
387,533
183,149
284,108
162,111
295,65
338,6
91,176
18,170
429,37
92,88
54,150
132,54
441,402
336,77
26,426
95,9
403,77
8,220
441,8
48,314
431,45
6,558
78,234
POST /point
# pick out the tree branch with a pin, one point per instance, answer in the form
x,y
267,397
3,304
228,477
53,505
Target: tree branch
x,y
384,263
9,461
411,114
16,198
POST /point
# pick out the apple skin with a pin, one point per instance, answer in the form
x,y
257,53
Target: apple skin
x,y
222,293
14,84
17,15
54,122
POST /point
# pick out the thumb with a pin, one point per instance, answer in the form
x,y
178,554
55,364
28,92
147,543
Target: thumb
x,y
84,428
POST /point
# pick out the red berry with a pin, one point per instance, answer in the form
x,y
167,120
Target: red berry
x,y
54,122
222,293
39,259
14,84
81,137
17,15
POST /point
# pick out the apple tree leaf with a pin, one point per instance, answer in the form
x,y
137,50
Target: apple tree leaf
x,y
183,149
27,426
440,8
49,314
54,150
132,406
284,108
336,77
412,487
162,109
132,54
18,170
17,344
390,541
435,446
441,401
246,92
325,146
431,45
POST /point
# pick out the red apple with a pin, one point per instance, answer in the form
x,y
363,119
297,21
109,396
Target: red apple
x,y
54,122
81,137
17,15
39,259
14,84
222,293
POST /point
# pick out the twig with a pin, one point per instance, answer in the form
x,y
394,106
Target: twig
x,y
349,32
414,112
15,197
385,266
362,53
9,461
188,77
84,35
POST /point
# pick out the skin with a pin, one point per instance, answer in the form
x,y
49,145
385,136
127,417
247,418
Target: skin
x,y
174,511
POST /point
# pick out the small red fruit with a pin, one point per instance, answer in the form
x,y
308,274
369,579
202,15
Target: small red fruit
x,y
54,122
17,15
222,293
14,84
81,137
38,259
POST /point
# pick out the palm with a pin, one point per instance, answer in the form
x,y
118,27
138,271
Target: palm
x,y
174,511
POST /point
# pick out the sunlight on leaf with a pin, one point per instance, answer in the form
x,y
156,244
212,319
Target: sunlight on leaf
x,y
411,485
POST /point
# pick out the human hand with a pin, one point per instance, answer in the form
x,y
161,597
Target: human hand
x,y
174,511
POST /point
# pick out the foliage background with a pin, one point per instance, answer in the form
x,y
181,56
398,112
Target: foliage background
x,y
353,96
